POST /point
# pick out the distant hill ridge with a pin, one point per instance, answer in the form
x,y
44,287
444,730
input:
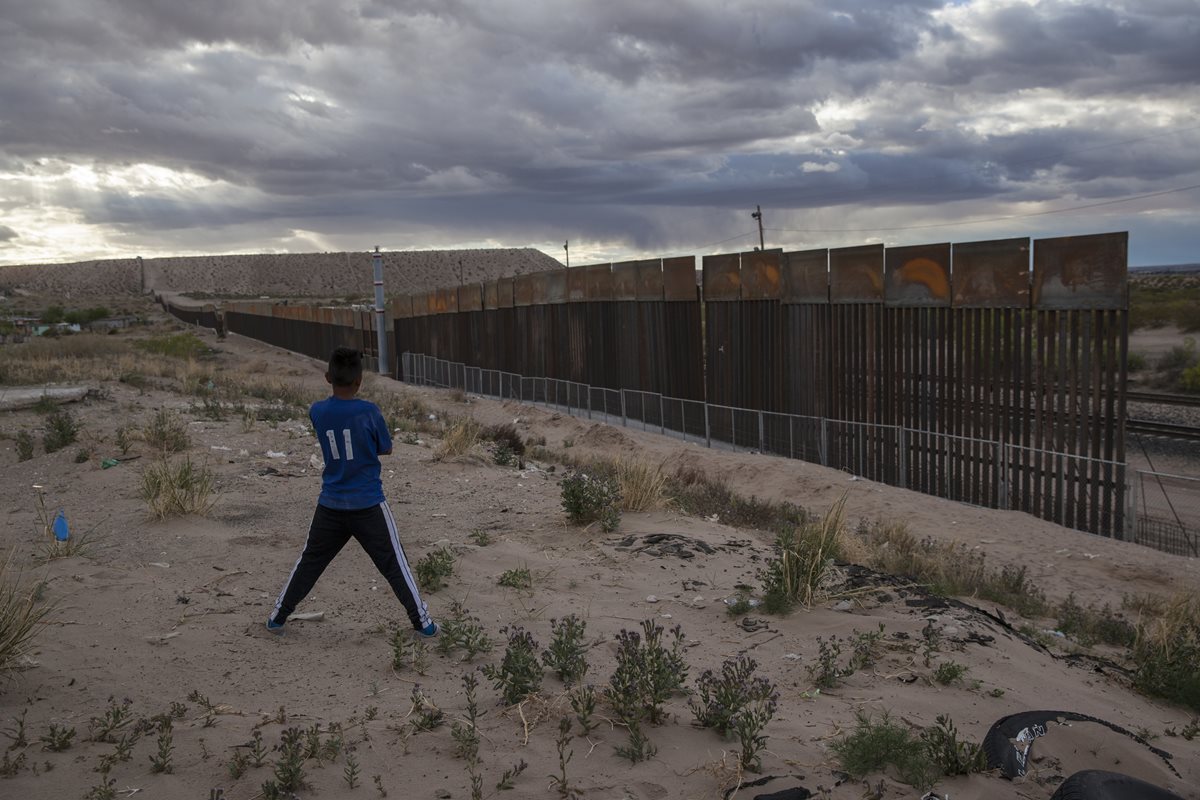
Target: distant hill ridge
x,y
279,275
1167,268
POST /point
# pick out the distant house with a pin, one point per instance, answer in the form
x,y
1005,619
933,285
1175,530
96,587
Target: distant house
x,y
111,323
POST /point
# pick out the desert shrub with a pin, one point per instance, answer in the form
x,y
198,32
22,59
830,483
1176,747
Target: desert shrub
x,y
948,754
875,745
1136,362
720,697
519,673
21,616
693,492
949,569
507,435
1167,650
1189,380
647,672
949,672
178,345
641,485
461,631
61,430
434,568
460,437
591,498
803,557
167,432
24,444
1089,625
177,487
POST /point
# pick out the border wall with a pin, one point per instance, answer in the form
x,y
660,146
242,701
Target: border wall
x,y
987,372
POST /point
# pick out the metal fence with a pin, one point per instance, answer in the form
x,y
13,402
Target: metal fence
x,y
1167,515
970,470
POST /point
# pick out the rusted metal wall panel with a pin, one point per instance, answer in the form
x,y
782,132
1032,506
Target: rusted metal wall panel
x,y
624,280
470,297
1081,271
491,296
722,279
599,282
505,293
806,276
917,276
762,275
523,290
679,279
991,274
649,280
540,282
856,274
556,286
576,285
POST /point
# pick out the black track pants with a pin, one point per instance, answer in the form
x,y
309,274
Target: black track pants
x,y
375,530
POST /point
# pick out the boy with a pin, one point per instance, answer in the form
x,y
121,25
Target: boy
x,y
353,435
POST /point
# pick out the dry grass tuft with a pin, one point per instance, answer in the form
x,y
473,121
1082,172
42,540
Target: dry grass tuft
x,y
643,487
803,559
460,437
21,616
180,487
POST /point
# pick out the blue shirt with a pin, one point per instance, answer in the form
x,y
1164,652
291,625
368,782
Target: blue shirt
x,y
352,434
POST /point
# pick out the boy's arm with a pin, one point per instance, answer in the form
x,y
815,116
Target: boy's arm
x,y
383,438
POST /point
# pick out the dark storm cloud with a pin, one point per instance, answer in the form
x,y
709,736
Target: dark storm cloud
x,y
618,120
7,234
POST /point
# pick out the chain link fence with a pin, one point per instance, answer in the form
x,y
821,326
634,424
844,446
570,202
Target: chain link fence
x,y
1167,512
969,470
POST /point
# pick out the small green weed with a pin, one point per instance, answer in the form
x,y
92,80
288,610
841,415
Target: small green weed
x,y
434,568
519,673
517,578
567,654
949,672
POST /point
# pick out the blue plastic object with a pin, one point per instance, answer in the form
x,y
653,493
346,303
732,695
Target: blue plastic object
x,y
61,531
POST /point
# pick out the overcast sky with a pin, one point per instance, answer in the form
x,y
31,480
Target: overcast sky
x,y
630,127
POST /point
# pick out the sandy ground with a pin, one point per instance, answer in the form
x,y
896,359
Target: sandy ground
x,y
157,610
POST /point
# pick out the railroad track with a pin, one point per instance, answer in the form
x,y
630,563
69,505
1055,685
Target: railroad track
x,y
1163,398
1165,429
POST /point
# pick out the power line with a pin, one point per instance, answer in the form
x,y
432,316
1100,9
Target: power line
x,y
989,219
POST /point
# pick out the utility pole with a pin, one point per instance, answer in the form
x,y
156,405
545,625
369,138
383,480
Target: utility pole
x,y
757,214
380,313
567,250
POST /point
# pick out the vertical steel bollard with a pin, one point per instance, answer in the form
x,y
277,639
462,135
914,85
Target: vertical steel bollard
x,y
707,428
662,418
824,442
903,454
762,437
1002,468
791,437
624,420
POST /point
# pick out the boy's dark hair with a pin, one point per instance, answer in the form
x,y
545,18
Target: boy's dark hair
x,y
345,366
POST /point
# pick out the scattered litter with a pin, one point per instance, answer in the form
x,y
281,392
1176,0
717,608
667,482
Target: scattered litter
x,y
1056,634
433,416
273,454
1090,555
436,516
697,600
62,531
793,657
854,478
310,616
843,605
109,462
750,601
219,447
315,461
651,598
162,564
162,638
243,453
